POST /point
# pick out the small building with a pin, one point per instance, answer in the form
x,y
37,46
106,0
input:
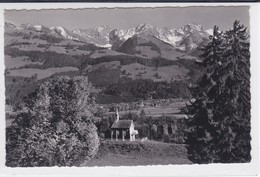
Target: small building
x,y
123,129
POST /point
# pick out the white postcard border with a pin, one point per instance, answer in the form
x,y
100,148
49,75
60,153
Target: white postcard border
x,y
158,170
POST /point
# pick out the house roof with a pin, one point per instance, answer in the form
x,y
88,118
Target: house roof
x,y
122,124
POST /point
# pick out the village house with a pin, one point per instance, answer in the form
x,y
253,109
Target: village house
x,y
123,129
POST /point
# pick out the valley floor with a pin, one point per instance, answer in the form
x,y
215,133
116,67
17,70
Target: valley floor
x,y
126,153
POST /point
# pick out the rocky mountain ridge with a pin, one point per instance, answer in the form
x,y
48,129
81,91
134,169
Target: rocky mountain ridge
x,y
186,39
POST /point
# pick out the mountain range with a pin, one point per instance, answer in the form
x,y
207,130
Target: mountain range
x,y
187,38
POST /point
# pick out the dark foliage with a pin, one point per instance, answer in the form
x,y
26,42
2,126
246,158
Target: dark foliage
x,y
16,88
196,70
142,89
218,129
54,128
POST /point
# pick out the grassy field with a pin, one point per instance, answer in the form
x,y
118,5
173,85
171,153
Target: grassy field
x,y
127,153
109,65
17,61
137,70
171,110
41,73
105,52
62,49
19,39
168,73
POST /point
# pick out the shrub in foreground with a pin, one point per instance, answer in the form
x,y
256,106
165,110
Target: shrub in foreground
x,y
55,129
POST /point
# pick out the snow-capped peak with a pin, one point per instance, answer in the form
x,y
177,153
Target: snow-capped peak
x,y
9,24
190,27
185,38
63,32
98,35
41,28
209,31
143,26
103,27
38,27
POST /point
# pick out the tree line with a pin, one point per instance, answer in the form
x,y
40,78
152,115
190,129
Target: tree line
x,y
142,89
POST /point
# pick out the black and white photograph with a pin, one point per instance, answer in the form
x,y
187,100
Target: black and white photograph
x,y
98,87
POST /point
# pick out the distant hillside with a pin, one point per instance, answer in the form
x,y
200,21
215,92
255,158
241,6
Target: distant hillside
x,y
41,59
149,47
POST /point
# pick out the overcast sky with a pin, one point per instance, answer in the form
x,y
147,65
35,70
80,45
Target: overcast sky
x,y
130,17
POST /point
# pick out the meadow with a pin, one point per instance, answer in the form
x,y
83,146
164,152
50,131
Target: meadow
x,y
169,110
133,153
41,73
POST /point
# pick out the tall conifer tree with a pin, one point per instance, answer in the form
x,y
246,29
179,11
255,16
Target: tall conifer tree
x,y
219,126
234,98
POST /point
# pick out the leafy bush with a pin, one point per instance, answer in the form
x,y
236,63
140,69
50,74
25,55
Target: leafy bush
x,y
55,129
16,88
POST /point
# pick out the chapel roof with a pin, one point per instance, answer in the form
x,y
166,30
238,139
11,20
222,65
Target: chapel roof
x,y
122,124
